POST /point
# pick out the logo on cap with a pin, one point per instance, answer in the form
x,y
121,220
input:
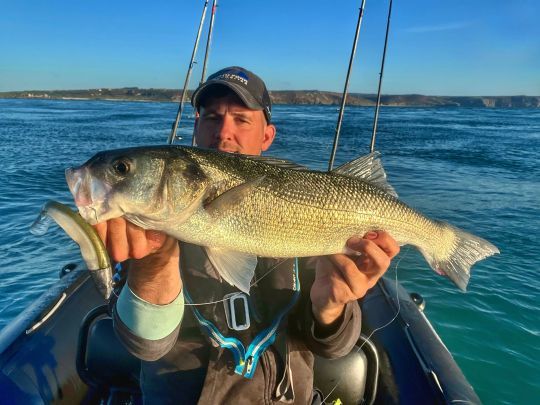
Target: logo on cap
x,y
233,74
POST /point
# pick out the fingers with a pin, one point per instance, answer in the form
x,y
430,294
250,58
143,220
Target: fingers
x,y
117,242
362,272
357,280
101,230
125,240
377,249
155,239
374,258
380,238
137,242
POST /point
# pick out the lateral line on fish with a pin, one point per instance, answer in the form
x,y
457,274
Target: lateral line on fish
x,y
324,208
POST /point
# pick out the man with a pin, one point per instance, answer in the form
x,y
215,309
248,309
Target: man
x,y
179,363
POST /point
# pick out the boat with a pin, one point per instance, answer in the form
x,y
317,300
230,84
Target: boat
x,y
62,349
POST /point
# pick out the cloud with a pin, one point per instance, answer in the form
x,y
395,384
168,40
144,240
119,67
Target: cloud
x,y
440,27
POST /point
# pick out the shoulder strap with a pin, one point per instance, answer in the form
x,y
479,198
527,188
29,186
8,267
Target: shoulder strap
x,y
246,360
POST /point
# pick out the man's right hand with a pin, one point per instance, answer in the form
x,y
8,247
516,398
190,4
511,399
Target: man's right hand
x,y
153,273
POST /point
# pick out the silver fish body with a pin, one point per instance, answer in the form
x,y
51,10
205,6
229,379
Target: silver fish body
x,y
240,207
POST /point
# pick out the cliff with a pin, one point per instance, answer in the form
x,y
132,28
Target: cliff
x,y
306,97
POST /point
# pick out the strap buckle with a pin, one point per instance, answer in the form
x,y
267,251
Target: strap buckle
x,y
237,311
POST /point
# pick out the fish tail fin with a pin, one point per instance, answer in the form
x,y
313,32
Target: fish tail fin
x,y
41,224
465,250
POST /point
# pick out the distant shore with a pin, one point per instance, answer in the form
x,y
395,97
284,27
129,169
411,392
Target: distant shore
x,y
298,97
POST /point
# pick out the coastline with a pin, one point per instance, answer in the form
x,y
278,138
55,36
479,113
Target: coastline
x,y
286,97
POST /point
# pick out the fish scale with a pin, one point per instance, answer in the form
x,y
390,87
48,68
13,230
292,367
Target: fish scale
x,y
321,208
239,207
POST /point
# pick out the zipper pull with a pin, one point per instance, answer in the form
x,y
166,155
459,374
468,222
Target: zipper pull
x,y
249,364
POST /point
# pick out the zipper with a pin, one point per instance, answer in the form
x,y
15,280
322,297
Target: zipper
x,y
249,364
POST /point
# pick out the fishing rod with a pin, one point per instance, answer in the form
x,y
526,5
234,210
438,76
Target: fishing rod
x,y
372,145
208,40
206,52
172,135
345,90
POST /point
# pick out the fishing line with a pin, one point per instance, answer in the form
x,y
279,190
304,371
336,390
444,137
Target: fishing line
x,y
365,340
95,214
239,293
380,327
195,304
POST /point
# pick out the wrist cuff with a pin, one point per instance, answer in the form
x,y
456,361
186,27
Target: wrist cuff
x,y
147,320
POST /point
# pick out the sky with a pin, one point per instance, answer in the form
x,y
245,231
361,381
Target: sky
x,y
454,48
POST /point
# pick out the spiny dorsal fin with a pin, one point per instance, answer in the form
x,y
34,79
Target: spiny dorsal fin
x,y
236,268
368,168
283,163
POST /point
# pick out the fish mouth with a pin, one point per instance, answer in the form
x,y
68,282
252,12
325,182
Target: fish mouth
x,y
91,213
89,194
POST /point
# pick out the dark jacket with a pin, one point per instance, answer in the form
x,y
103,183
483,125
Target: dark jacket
x,y
185,367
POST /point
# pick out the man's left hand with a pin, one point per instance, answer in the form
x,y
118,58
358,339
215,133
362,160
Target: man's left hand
x,y
344,278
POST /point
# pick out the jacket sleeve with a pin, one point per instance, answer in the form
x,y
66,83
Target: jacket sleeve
x,y
147,330
333,343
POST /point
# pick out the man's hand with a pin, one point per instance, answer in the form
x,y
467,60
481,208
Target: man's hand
x,y
154,273
344,278
125,240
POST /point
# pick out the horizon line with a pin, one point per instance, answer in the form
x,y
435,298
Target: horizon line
x,y
270,91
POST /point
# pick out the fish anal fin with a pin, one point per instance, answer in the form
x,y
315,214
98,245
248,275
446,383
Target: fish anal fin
x,y
368,168
236,268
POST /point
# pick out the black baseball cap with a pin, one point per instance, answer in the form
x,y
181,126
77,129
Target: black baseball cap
x,y
245,84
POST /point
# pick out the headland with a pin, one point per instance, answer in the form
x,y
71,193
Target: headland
x,y
298,97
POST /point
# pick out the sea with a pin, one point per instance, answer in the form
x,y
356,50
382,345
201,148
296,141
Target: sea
x,y
478,169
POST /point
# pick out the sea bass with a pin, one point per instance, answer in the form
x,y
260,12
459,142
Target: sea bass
x,y
240,207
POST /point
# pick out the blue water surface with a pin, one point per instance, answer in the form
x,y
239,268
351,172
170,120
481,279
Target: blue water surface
x,y
476,168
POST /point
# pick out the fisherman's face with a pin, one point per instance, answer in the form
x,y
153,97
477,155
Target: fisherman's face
x,y
226,124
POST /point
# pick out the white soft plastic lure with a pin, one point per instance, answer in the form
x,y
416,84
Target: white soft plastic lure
x,y
92,249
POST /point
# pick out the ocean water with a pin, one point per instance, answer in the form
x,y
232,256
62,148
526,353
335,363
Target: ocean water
x,y
476,168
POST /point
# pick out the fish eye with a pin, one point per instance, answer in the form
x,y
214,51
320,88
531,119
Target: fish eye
x,y
121,167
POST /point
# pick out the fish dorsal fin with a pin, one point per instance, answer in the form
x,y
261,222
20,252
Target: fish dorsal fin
x,y
232,197
283,163
368,168
236,268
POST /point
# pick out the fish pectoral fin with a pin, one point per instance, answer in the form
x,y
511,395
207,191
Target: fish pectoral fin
x,y
368,168
232,197
236,268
